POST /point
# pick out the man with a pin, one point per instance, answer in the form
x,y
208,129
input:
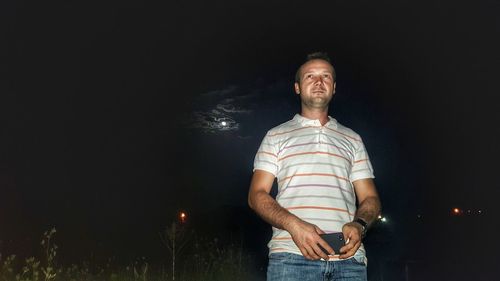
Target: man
x,y
325,185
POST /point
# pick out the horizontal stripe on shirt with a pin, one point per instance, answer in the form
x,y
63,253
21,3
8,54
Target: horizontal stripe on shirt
x,y
315,143
293,130
318,185
268,153
321,219
313,174
284,168
319,208
345,135
314,196
313,152
309,127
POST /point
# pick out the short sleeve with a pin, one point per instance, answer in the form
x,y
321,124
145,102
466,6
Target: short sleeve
x,y
362,167
267,156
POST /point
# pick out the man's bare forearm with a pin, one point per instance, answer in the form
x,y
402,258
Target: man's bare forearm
x,y
369,209
269,210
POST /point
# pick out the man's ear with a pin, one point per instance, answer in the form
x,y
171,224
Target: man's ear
x,y
297,88
334,87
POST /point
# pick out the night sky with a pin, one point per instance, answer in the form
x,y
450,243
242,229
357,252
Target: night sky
x,y
110,112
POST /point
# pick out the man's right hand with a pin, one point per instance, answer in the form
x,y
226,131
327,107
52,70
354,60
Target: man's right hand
x,y
306,237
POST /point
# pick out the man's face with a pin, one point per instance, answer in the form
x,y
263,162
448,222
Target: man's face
x,y
316,87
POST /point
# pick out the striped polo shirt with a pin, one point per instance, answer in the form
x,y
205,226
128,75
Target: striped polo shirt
x,y
314,166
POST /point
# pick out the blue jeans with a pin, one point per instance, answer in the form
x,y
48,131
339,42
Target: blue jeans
x,y
293,267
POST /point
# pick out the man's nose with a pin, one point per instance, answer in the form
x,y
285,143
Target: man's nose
x,y
318,80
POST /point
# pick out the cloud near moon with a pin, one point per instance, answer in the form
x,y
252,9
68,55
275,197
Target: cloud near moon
x,y
232,109
220,112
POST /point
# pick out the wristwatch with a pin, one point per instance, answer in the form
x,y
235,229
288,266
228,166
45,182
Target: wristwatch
x,y
363,224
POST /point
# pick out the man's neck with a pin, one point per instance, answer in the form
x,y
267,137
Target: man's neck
x,y
316,114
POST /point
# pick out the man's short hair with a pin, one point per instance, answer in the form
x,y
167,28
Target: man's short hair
x,y
315,56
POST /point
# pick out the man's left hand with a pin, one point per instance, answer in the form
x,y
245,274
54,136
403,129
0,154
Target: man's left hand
x,y
352,233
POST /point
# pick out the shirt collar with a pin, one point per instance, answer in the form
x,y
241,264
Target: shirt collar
x,y
332,123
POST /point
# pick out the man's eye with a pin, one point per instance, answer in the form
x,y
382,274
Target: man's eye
x,y
326,76
309,76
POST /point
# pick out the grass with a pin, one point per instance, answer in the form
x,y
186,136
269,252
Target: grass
x,y
202,260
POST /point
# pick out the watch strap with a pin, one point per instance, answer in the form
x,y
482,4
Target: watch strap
x,y
363,223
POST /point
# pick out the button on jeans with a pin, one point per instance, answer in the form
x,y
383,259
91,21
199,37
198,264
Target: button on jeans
x,y
293,267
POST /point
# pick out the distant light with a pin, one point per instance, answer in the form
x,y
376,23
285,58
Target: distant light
x,y
479,212
183,217
379,216
383,219
456,211
223,123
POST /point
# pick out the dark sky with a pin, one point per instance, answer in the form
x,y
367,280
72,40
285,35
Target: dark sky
x,y
110,111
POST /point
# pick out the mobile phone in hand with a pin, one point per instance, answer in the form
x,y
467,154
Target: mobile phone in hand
x,y
335,240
